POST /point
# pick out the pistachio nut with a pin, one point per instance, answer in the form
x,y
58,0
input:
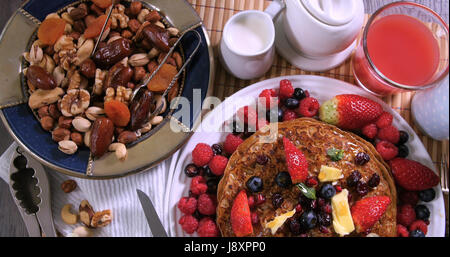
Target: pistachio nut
x,y
137,60
67,147
81,124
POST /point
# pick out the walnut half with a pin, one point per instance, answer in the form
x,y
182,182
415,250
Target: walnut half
x,y
75,102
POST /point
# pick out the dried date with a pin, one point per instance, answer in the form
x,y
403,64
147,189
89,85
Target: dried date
x,y
140,108
158,36
113,52
39,78
101,136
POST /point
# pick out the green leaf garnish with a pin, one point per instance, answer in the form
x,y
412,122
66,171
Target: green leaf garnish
x,y
309,192
335,154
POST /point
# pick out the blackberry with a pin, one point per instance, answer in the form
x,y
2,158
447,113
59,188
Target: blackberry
x,y
277,200
403,151
299,94
212,185
404,137
294,226
217,149
324,219
362,158
362,189
353,179
374,181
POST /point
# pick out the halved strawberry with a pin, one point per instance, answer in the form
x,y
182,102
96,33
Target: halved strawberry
x,y
296,162
367,211
350,111
413,176
241,221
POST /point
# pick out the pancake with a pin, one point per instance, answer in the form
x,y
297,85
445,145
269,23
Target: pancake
x,y
313,138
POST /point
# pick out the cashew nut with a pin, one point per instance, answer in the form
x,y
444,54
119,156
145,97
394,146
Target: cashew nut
x,y
84,51
173,31
81,124
41,97
87,138
142,14
81,231
160,24
49,64
120,150
67,216
67,147
146,128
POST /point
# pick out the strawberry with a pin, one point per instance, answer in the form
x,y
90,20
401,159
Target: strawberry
x,y
241,221
296,162
367,211
412,175
350,112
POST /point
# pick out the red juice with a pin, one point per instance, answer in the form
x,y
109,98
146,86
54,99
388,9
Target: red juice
x,y
403,49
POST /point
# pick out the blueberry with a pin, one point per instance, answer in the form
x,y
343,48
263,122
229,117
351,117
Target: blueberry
x,y
404,137
20,162
283,179
403,151
299,94
191,170
291,103
294,226
208,172
422,212
217,149
327,191
374,181
277,200
416,233
427,195
308,220
274,115
255,184
353,179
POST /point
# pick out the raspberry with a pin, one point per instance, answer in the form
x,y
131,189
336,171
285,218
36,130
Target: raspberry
x,y
218,164
207,204
298,208
370,131
251,201
338,188
231,143
266,98
188,223
198,185
409,197
307,93
406,215
402,231
387,150
420,225
289,115
202,154
286,89
389,133
187,205
384,120
309,107
207,228
312,181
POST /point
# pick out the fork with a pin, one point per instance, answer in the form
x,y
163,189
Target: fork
x,y
444,179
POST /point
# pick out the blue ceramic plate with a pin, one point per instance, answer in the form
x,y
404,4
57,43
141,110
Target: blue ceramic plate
x,y
25,128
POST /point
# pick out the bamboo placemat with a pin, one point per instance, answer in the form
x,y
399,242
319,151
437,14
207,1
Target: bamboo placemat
x,y
216,13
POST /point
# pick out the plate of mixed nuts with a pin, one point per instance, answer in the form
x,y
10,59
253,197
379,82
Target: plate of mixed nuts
x,y
76,107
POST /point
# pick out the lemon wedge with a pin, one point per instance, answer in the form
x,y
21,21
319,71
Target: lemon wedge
x,y
342,217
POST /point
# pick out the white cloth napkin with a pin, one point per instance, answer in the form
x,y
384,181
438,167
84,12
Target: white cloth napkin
x,y
118,195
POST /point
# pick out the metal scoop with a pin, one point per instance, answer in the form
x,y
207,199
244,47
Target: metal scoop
x,y
31,192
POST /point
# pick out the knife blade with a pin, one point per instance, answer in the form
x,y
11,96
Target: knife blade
x,y
152,216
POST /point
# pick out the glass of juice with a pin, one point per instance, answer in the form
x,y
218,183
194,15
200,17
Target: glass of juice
x,y
404,47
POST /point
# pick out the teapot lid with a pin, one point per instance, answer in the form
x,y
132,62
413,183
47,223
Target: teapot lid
x,y
331,12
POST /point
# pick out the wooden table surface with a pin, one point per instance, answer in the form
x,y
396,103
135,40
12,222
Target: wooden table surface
x,y
11,223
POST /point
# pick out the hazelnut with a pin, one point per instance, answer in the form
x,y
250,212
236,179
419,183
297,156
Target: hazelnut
x,y
78,13
127,137
88,68
47,123
134,25
139,74
153,16
127,34
64,122
43,111
75,35
54,112
68,186
60,134
79,26
135,8
77,138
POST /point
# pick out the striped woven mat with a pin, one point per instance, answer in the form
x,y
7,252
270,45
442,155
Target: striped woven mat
x,y
216,13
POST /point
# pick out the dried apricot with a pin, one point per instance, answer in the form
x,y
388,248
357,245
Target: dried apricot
x,y
118,112
96,26
162,79
102,3
50,30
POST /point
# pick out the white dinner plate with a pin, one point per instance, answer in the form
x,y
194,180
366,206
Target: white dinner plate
x,y
323,89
